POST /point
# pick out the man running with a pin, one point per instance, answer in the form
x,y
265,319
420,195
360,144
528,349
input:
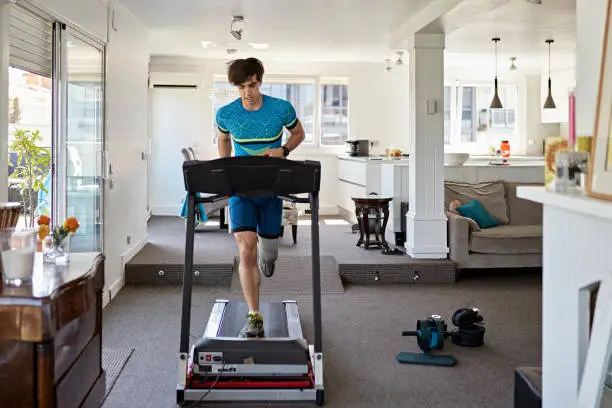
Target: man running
x,y
254,123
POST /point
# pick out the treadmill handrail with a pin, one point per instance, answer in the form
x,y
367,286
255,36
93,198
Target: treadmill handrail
x,y
251,176
218,197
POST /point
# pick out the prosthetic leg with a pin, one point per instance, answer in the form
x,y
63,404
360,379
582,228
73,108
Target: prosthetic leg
x,y
267,254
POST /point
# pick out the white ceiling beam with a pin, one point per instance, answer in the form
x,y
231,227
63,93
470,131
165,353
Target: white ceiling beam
x,y
442,17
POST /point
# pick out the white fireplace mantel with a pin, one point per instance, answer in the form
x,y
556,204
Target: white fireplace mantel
x,y
577,254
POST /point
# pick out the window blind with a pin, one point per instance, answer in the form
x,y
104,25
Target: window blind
x,y
30,41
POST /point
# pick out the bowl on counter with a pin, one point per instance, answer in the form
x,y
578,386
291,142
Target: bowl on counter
x,y
455,159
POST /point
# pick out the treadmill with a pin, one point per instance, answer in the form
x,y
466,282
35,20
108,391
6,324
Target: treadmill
x,y
220,366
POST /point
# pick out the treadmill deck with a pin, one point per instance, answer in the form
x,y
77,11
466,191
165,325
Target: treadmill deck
x,y
282,355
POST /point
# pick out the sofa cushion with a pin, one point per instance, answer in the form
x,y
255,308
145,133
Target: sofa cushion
x,y
507,240
478,213
492,196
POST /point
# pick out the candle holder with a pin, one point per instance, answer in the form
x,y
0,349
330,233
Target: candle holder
x,y
571,172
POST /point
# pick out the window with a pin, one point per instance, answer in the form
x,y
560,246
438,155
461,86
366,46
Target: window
x,y
334,114
447,114
475,122
468,113
301,97
30,112
323,117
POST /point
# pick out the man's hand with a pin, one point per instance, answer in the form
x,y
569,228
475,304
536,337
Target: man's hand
x,y
278,152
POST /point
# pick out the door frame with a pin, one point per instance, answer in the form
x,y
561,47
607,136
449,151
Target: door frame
x,y
59,108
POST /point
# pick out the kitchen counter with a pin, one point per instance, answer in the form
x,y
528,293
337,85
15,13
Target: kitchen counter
x,y
359,175
476,161
376,159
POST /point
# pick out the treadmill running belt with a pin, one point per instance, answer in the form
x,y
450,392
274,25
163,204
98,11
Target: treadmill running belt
x,y
234,319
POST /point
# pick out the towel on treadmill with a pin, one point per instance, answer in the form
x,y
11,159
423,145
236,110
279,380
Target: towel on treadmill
x,y
200,214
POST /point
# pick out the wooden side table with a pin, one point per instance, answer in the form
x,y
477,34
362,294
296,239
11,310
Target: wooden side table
x,y
51,336
365,206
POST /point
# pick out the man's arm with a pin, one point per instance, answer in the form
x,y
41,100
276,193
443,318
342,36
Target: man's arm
x,y
296,138
224,144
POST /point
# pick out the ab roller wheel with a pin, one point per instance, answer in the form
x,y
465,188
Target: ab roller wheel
x,y
431,332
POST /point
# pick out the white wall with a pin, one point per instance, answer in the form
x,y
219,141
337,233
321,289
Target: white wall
x,y
4,92
127,69
590,22
126,202
378,106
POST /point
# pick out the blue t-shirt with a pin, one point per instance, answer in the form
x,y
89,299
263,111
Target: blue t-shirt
x,y
253,132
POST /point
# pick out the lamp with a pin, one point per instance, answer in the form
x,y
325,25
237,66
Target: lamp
x,y
549,103
496,103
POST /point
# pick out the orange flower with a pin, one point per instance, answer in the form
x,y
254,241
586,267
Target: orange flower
x,y
44,220
43,231
71,224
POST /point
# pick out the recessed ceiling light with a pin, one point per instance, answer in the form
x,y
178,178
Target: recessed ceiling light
x,y
259,46
207,44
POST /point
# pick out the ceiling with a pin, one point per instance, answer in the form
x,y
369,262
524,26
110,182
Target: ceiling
x,y
354,30
522,28
326,30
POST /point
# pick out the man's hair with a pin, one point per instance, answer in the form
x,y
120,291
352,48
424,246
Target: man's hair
x,y
241,70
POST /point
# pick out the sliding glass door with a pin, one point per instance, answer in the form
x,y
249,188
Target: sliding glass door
x,y
81,141
56,108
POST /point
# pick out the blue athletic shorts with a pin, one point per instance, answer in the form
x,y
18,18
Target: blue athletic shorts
x,y
261,215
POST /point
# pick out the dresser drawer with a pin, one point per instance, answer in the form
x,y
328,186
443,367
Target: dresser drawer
x,y
74,387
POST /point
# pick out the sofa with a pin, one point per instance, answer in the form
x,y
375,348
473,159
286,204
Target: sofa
x,y
517,240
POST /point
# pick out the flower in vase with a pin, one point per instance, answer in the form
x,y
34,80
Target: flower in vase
x,y
71,224
43,231
44,220
58,234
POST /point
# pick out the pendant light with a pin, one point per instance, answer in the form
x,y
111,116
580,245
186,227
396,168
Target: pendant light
x,y
496,103
549,103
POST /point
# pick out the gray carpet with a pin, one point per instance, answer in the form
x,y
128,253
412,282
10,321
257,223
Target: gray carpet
x,y
362,335
113,362
293,276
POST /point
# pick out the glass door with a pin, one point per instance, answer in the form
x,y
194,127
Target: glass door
x,y
81,149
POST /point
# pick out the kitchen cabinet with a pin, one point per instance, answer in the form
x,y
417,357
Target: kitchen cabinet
x,y
357,176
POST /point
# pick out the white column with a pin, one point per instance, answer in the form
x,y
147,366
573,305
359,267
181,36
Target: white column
x,y
426,221
4,80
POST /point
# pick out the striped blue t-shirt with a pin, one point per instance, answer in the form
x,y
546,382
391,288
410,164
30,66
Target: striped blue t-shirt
x,y
253,132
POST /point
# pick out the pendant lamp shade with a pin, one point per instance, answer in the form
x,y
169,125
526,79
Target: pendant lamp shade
x,y
549,103
496,102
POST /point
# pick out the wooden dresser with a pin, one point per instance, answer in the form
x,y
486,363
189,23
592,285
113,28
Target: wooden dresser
x,y
51,336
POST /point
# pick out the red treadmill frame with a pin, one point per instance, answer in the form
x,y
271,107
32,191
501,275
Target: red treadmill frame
x,y
233,383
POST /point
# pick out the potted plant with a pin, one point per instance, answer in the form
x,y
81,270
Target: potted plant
x,y
31,168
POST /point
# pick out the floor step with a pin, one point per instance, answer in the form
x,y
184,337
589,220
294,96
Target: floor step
x,y
218,275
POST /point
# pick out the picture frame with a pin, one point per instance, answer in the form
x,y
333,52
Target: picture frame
x,y
599,181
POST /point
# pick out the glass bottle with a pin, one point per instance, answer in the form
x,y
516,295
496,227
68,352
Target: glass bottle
x,y
505,149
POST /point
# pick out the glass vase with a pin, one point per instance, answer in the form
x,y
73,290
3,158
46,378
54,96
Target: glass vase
x,y
56,251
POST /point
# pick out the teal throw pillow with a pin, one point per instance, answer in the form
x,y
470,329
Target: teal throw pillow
x,y
478,213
